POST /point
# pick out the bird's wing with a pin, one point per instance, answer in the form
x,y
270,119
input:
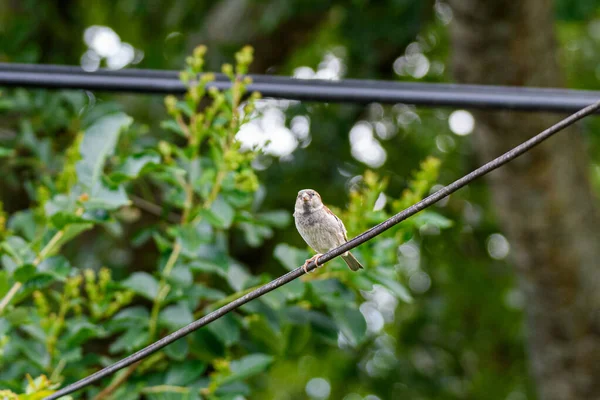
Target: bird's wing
x,y
340,223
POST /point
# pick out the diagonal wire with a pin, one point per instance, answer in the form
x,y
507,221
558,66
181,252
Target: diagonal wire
x,y
347,90
362,238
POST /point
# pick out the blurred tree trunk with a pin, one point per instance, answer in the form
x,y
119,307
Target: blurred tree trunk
x,y
543,199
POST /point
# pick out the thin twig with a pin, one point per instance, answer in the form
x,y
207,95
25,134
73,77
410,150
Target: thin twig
x,y
118,382
8,297
360,239
166,389
153,209
49,247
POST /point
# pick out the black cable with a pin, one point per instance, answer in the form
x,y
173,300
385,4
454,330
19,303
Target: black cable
x,y
362,238
348,91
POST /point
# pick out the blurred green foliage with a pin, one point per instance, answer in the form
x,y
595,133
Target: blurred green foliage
x,y
125,217
53,313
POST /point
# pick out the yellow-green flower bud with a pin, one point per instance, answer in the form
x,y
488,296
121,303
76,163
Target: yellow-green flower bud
x,y
104,277
227,69
185,76
41,303
200,51
171,104
164,148
232,159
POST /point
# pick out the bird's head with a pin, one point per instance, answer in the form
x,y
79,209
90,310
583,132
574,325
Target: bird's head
x,y
308,200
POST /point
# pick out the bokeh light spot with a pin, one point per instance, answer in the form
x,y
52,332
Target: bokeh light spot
x,y
364,147
419,282
104,44
461,122
497,246
318,388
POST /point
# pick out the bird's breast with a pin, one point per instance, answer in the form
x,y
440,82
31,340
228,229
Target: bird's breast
x,y
307,218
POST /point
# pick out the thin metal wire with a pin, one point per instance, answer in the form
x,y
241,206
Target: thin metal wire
x,y
364,237
348,91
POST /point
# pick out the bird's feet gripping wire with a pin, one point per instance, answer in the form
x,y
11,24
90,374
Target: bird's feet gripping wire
x,y
316,260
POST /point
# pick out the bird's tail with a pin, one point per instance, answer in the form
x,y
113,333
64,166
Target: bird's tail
x,y
352,262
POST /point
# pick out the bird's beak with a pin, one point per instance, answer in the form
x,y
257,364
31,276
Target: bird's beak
x,y
305,197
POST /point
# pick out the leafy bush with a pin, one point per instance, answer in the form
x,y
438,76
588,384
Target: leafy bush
x,y
90,172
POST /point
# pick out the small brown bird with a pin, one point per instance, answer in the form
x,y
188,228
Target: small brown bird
x,y
320,228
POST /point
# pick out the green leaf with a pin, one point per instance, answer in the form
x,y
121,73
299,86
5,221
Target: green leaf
x,y
237,276
36,353
6,104
233,391
332,292
172,126
222,212
131,340
18,253
279,218
161,242
6,152
59,203
128,318
134,314
61,219
18,316
393,286
58,267
98,144
226,330
80,331
134,166
192,236
247,366
181,276
170,174
255,234
105,198
185,107
8,264
290,257
193,169
208,266
294,290
142,236
70,232
297,337
175,316
35,331
23,223
200,292
4,285
143,284
178,350
263,333
185,373
351,323
205,345
237,198
431,218
4,324
36,282
24,273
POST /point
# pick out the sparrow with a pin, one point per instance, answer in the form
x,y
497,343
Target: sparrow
x,y
320,228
